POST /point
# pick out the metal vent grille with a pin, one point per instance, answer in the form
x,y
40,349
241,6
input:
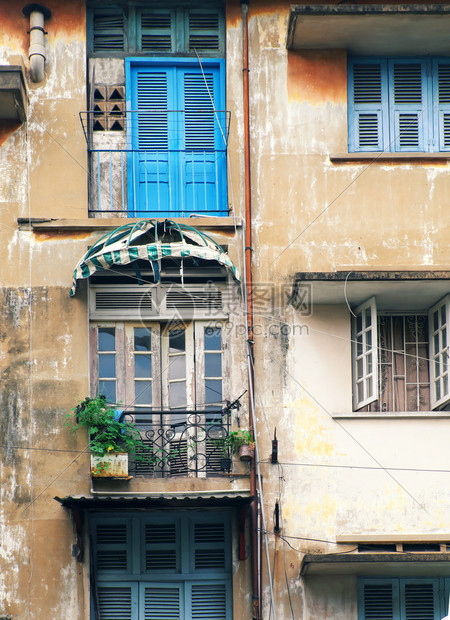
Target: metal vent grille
x,y
123,300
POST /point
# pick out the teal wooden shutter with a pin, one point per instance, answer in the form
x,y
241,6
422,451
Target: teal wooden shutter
x,y
378,599
208,601
162,601
117,601
111,540
205,29
408,104
157,31
441,101
162,546
368,105
419,599
210,545
108,30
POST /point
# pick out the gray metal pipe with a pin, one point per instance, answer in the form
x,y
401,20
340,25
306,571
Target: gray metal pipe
x,y
37,14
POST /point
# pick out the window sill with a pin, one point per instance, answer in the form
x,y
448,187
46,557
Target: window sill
x,y
93,224
375,156
391,415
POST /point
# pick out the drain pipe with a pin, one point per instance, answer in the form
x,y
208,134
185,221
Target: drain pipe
x,y
256,598
37,14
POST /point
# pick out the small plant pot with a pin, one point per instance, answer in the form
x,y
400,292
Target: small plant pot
x,y
246,453
225,464
113,465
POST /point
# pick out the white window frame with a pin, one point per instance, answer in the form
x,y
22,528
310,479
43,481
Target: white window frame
x,y
439,353
368,338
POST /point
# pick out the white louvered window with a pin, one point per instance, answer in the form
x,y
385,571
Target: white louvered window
x,y
400,361
162,565
399,104
402,599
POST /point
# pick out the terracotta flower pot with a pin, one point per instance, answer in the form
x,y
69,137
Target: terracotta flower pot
x,y
246,452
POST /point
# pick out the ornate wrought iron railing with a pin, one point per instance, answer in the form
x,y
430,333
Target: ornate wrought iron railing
x,y
181,443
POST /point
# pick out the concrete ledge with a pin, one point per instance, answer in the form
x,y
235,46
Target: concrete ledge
x,y
374,157
95,224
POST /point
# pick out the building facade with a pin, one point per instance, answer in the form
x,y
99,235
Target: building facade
x,y
228,219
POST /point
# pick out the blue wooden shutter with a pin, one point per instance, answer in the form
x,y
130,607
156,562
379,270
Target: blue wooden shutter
x,y
378,599
108,30
441,103
204,175
209,601
419,599
162,601
157,30
111,546
368,105
408,104
117,601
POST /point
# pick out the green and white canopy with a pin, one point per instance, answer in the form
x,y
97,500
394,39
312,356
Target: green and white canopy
x,y
152,241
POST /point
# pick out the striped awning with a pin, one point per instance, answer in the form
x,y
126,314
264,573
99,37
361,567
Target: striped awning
x,y
129,243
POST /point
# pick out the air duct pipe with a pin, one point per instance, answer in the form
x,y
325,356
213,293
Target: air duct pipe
x,y
37,14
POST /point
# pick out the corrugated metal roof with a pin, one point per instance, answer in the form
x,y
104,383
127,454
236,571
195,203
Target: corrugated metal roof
x,y
128,501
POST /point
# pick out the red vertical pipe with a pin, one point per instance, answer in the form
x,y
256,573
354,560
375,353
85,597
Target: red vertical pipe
x,y
249,291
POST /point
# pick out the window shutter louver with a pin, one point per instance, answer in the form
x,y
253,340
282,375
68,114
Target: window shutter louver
x,y
199,111
441,94
162,550
111,547
108,30
162,602
204,31
209,602
378,602
116,602
157,31
210,546
123,300
408,97
419,601
152,103
367,103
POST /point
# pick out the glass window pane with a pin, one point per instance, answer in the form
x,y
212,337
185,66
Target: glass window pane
x,y
177,394
143,392
360,389
435,321
359,368
142,339
438,389
444,338
107,365
443,315
213,365
213,339
106,339
359,347
108,389
367,317
369,364
359,323
369,387
445,384
369,338
213,391
177,340
437,370
177,367
142,365
436,343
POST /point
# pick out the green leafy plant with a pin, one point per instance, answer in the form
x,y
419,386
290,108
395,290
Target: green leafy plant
x,y
239,438
106,433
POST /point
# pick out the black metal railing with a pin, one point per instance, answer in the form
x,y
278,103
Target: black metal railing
x,y
181,443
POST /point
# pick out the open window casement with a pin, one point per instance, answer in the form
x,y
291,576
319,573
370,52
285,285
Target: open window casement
x,y
439,322
365,354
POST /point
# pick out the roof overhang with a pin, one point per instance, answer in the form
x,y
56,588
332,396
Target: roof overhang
x,y
138,501
387,564
13,95
152,241
375,29
409,291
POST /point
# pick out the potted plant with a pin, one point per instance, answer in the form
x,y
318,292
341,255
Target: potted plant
x,y
241,441
110,440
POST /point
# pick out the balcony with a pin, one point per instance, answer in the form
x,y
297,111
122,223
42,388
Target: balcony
x,y
157,163
181,443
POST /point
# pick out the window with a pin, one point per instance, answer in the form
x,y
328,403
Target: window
x,y
400,361
161,565
403,599
114,30
399,104
177,128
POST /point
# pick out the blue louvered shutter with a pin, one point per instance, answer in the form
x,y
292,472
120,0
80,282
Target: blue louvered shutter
x,y
204,146
117,601
210,545
368,105
111,540
378,600
419,599
162,601
441,103
209,600
409,105
162,546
